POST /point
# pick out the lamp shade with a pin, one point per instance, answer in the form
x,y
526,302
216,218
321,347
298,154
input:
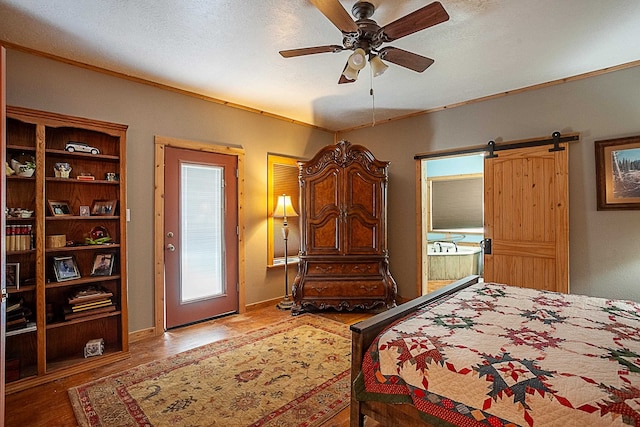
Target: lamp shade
x,y
357,59
284,207
350,73
377,66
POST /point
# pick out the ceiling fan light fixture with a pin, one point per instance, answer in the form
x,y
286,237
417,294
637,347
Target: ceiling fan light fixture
x,y
377,66
357,60
350,73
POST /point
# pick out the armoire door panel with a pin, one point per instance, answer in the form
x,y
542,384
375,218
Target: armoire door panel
x,y
323,194
363,235
362,193
324,236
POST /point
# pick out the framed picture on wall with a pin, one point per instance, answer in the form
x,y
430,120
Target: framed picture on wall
x,y
618,173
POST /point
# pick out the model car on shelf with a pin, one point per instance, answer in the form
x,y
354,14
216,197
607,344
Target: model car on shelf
x,y
81,147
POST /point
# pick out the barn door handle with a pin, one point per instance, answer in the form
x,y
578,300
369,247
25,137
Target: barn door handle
x,y
485,244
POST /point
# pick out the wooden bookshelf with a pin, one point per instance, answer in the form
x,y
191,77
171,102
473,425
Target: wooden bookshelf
x,y
49,347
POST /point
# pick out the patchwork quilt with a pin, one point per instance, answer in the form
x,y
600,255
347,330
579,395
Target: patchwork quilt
x,y
497,355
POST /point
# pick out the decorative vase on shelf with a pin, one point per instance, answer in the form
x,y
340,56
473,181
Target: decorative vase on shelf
x,y
26,168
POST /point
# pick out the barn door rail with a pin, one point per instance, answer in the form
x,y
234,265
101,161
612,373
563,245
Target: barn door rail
x,y
555,140
492,147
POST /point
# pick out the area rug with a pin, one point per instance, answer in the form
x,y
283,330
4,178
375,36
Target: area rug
x,y
292,373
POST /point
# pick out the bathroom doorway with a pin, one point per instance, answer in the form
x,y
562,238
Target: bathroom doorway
x,y
452,219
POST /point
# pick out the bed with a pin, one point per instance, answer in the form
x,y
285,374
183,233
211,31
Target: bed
x,y
486,354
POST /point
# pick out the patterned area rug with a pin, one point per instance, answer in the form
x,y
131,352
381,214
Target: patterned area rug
x,y
293,373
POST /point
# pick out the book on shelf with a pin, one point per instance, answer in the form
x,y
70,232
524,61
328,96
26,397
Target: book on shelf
x,y
16,323
70,315
87,301
88,294
17,314
89,306
18,237
16,327
18,319
14,303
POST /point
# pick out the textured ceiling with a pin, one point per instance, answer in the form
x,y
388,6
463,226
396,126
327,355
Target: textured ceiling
x,y
228,49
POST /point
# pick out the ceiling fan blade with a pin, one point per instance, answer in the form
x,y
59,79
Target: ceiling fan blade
x,y
311,50
425,17
343,79
405,58
337,14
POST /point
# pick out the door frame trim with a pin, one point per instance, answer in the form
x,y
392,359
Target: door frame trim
x,y
161,143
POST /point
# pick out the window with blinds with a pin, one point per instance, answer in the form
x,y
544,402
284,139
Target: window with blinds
x,y
282,178
456,203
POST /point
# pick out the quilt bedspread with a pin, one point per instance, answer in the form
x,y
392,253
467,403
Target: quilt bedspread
x,y
499,355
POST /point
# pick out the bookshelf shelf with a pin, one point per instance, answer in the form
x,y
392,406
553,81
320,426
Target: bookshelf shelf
x,y
82,320
31,327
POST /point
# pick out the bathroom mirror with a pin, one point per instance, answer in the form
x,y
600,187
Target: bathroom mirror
x,y
282,178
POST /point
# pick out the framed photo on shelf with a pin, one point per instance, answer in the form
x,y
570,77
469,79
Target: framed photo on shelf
x,y
104,207
618,173
59,207
102,264
85,211
12,275
65,268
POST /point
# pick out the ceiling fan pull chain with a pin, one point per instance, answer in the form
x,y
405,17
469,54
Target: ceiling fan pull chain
x,y
373,100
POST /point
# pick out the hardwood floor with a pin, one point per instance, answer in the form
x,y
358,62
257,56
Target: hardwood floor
x,y
48,404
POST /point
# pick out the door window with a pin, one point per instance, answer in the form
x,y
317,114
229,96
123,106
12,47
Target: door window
x,y
202,232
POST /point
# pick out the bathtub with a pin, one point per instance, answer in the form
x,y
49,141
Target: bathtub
x,y
452,264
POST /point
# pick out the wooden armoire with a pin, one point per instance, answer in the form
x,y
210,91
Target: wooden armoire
x,y
344,261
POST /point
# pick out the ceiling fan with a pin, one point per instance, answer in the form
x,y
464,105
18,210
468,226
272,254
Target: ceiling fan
x,y
364,37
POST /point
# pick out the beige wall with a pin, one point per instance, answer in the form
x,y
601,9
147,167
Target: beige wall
x,y
604,246
42,84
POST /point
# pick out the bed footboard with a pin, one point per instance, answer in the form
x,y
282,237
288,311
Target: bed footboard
x,y
365,332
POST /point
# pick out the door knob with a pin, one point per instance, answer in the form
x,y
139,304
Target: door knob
x,y
171,248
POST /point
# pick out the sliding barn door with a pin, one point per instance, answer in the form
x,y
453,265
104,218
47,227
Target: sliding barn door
x,y
527,218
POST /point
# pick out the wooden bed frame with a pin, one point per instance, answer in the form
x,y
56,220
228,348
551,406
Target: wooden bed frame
x,y
363,334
